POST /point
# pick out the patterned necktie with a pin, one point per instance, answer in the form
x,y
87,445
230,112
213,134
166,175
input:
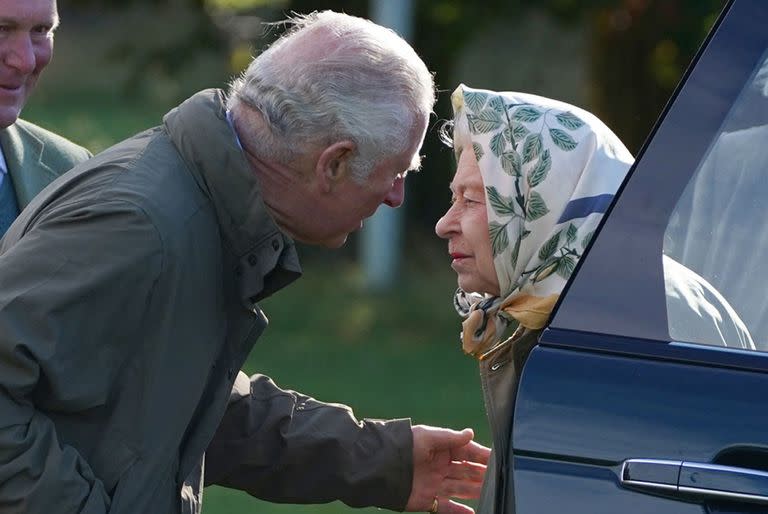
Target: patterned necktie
x,y
9,208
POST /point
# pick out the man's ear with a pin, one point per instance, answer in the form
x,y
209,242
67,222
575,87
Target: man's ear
x,y
333,164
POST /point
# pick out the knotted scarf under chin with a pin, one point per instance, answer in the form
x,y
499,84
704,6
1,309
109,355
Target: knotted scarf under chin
x,y
487,319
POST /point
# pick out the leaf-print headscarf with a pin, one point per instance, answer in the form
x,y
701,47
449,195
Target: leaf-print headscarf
x,y
550,170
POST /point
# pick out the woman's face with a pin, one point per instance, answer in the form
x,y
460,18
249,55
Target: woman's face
x,y
465,226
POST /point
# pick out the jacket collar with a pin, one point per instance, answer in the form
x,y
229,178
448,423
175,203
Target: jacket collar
x,y
267,257
22,146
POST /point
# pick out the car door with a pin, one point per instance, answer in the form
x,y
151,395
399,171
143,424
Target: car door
x,y
648,392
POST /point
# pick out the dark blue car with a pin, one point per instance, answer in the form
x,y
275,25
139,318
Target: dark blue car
x,y
625,407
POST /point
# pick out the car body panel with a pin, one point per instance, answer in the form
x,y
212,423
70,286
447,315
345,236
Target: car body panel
x,y
607,383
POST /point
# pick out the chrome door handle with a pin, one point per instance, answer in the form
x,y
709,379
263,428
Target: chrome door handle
x,y
724,482
694,480
651,474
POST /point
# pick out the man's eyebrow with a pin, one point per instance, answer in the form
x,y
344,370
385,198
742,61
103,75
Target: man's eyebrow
x,y
52,22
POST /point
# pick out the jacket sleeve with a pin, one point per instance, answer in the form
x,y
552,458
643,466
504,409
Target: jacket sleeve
x,y
282,446
64,287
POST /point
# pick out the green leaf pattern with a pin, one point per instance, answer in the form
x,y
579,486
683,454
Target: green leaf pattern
x,y
475,100
499,237
569,120
497,144
549,248
562,139
478,149
544,164
571,235
486,121
511,163
536,207
539,172
565,266
497,104
526,114
523,138
502,205
519,131
532,147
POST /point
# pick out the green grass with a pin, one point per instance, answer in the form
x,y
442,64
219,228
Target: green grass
x,y
104,121
387,355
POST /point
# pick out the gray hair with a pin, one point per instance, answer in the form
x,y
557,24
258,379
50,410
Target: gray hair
x,y
449,128
332,77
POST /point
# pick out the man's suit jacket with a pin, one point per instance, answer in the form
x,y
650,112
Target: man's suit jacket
x,y
35,157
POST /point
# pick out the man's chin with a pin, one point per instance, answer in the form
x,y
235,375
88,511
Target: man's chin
x,y
8,115
337,242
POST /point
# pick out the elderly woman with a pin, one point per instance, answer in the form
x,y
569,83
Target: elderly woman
x,y
533,180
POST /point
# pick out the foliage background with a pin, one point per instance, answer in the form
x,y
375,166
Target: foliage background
x,y
121,64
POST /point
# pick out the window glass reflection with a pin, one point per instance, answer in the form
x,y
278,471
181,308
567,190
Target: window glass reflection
x,y
716,243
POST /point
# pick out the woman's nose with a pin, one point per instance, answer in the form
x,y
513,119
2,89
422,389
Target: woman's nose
x,y
446,225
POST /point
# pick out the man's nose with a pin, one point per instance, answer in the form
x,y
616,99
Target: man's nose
x,y
20,53
396,195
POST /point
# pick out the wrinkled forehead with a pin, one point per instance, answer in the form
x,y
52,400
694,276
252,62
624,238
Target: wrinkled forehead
x,y
33,11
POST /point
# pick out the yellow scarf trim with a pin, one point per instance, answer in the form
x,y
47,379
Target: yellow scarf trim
x,y
530,311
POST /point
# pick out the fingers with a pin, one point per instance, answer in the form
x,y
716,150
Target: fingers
x,y
473,451
446,506
463,470
461,490
441,438
460,443
464,480
447,464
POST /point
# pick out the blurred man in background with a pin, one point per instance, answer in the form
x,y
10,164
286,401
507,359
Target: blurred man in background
x,y
130,288
30,157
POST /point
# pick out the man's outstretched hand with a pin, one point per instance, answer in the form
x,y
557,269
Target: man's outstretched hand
x,y
446,464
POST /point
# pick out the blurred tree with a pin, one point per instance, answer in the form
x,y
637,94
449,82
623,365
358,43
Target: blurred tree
x,y
639,50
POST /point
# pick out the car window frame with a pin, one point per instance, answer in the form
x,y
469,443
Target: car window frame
x,y
596,299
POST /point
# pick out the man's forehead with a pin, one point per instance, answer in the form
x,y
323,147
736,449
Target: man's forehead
x,y
35,11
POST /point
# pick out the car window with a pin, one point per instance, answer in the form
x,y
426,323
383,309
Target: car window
x,y
678,257
715,248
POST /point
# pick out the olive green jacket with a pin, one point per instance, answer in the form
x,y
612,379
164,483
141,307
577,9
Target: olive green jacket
x,y
500,377
35,157
128,303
